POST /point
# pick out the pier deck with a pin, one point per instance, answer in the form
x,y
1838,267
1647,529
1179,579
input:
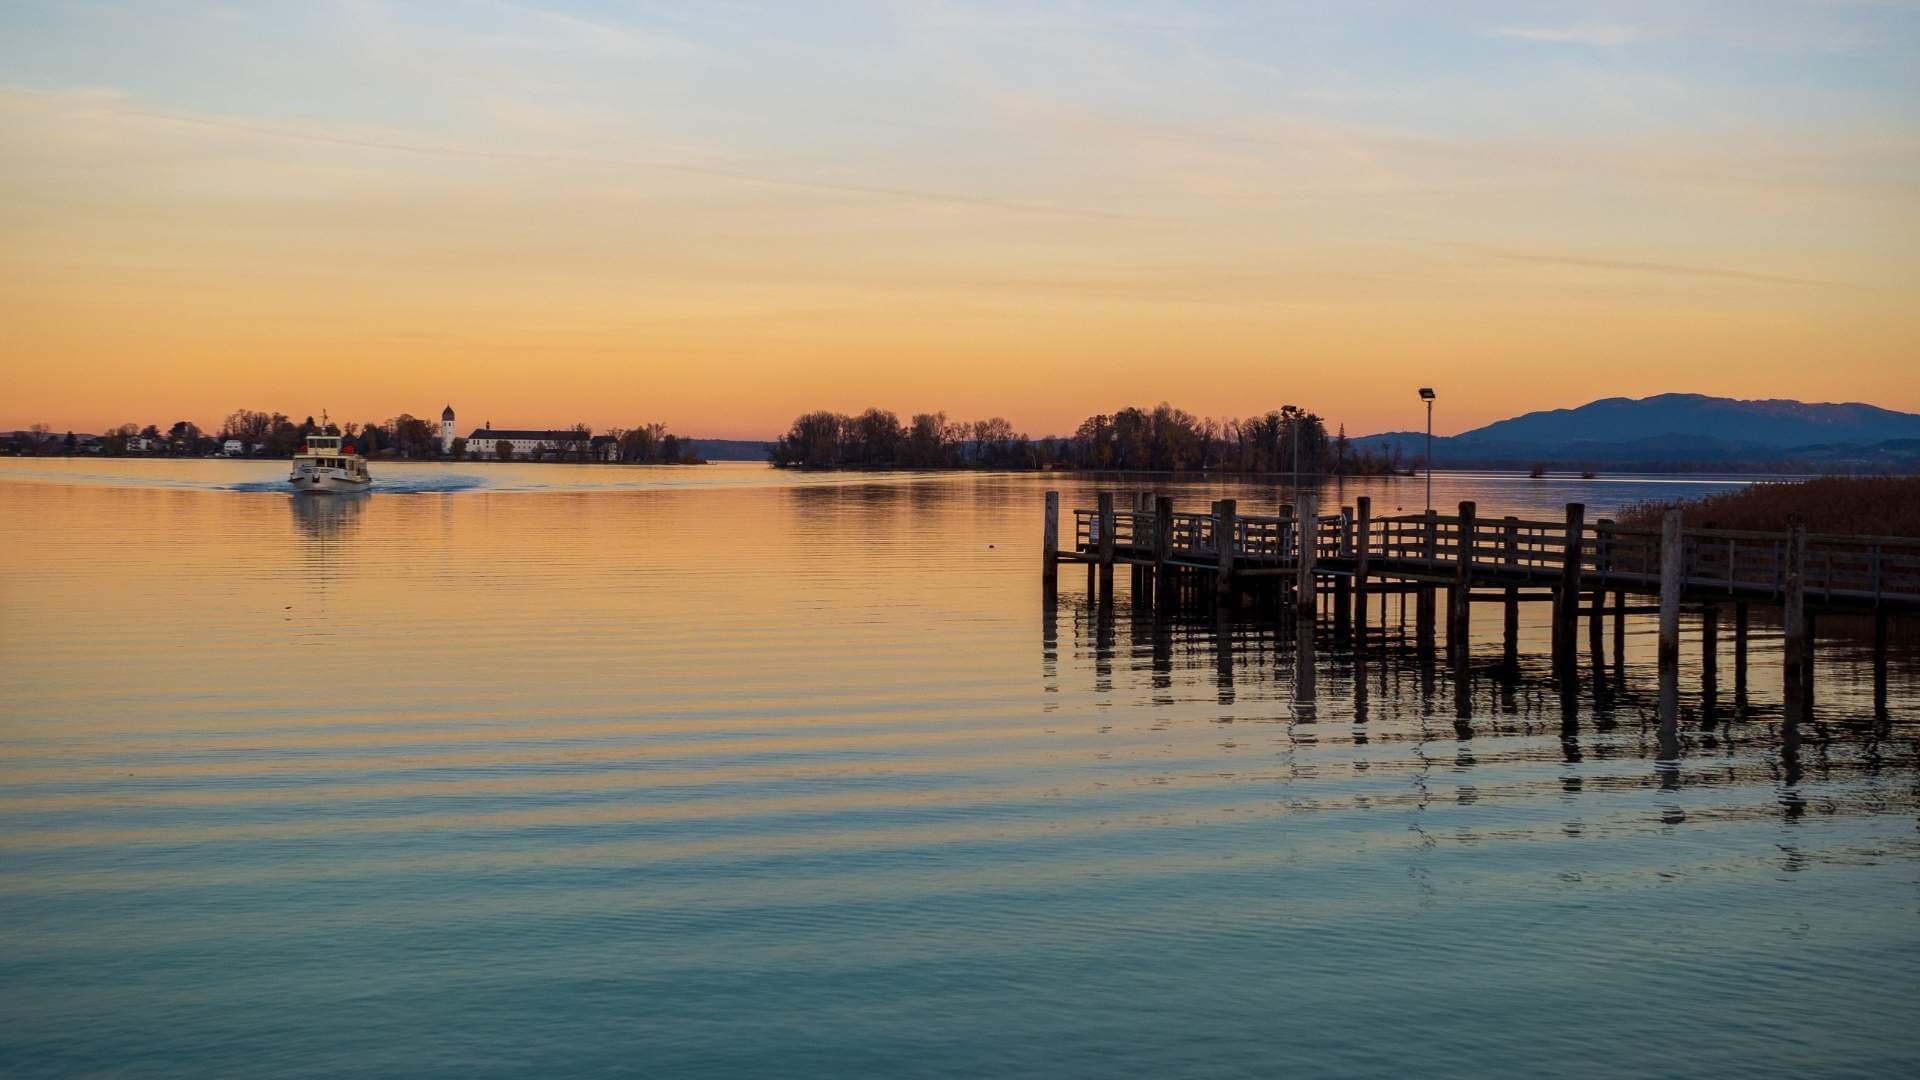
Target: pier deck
x,y
1299,557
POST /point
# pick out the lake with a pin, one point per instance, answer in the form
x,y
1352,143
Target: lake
x,y
718,771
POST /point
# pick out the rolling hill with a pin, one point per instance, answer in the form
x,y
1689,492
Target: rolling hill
x,y
1679,430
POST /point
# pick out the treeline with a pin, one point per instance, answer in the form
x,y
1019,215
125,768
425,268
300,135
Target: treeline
x,y
253,433
265,434
1160,439
184,438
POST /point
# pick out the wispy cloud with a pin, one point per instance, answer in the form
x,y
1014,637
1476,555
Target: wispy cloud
x,y
1653,267
1593,34
108,106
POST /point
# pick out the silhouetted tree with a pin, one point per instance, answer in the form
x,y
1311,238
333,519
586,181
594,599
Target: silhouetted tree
x,y
413,437
1163,438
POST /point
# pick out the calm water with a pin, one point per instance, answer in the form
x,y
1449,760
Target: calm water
x,y
572,771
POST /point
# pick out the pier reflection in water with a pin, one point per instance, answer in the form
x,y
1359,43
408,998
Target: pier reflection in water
x,y
1609,727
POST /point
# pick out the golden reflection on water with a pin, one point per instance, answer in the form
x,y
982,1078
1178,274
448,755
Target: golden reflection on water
x,y
547,717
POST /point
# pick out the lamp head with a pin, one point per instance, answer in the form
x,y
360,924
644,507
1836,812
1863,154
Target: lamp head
x,y
1426,393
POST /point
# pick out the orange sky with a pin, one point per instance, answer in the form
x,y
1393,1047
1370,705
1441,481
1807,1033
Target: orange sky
x,y
556,219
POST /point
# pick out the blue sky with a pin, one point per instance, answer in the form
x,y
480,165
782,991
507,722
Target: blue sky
x,y
995,190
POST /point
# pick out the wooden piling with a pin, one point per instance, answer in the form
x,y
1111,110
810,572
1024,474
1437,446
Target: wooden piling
x,y
1430,554
1165,588
1306,598
1740,659
1286,541
1672,580
1566,606
1710,659
1363,525
1510,628
1225,517
1050,543
1140,574
1619,629
1806,660
1343,586
1105,510
1597,606
1459,605
1879,662
1793,620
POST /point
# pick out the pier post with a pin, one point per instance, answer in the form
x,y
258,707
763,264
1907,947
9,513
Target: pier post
x,y
1793,620
1460,599
1879,662
1740,659
1050,544
1710,660
1343,586
1285,540
1424,596
1806,675
1566,601
1597,608
1672,578
1137,573
1510,623
1165,589
1362,527
1619,629
1225,528
1306,598
1105,509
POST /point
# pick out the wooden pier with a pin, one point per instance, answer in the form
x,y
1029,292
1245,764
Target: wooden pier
x,y
1302,561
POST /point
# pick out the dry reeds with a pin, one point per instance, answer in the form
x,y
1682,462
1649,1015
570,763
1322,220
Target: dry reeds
x,y
1837,505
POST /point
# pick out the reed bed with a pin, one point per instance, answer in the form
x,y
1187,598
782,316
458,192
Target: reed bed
x,y
1838,505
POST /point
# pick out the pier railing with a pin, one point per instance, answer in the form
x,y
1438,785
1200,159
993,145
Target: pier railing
x,y
1228,558
1840,570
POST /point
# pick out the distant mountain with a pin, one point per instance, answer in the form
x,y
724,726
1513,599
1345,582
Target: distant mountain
x,y
1766,423
1671,430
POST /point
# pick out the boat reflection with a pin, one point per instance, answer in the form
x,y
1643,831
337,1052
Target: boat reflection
x,y
328,515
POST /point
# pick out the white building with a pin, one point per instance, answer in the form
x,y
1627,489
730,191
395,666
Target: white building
x,y
446,430
233,448
485,442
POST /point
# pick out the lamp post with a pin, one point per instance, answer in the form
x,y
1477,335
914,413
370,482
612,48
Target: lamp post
x,y
1426,395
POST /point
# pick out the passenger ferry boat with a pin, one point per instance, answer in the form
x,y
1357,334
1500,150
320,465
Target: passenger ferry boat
x,y
329,463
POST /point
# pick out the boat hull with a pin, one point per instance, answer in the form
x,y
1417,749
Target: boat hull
x,y
326,481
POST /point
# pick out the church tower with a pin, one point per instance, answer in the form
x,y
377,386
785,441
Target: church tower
x,y
446,430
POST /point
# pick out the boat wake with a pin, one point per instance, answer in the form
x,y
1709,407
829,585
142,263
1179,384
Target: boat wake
x,y
395,485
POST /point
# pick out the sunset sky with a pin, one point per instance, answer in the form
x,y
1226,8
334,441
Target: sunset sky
x,y
719,215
